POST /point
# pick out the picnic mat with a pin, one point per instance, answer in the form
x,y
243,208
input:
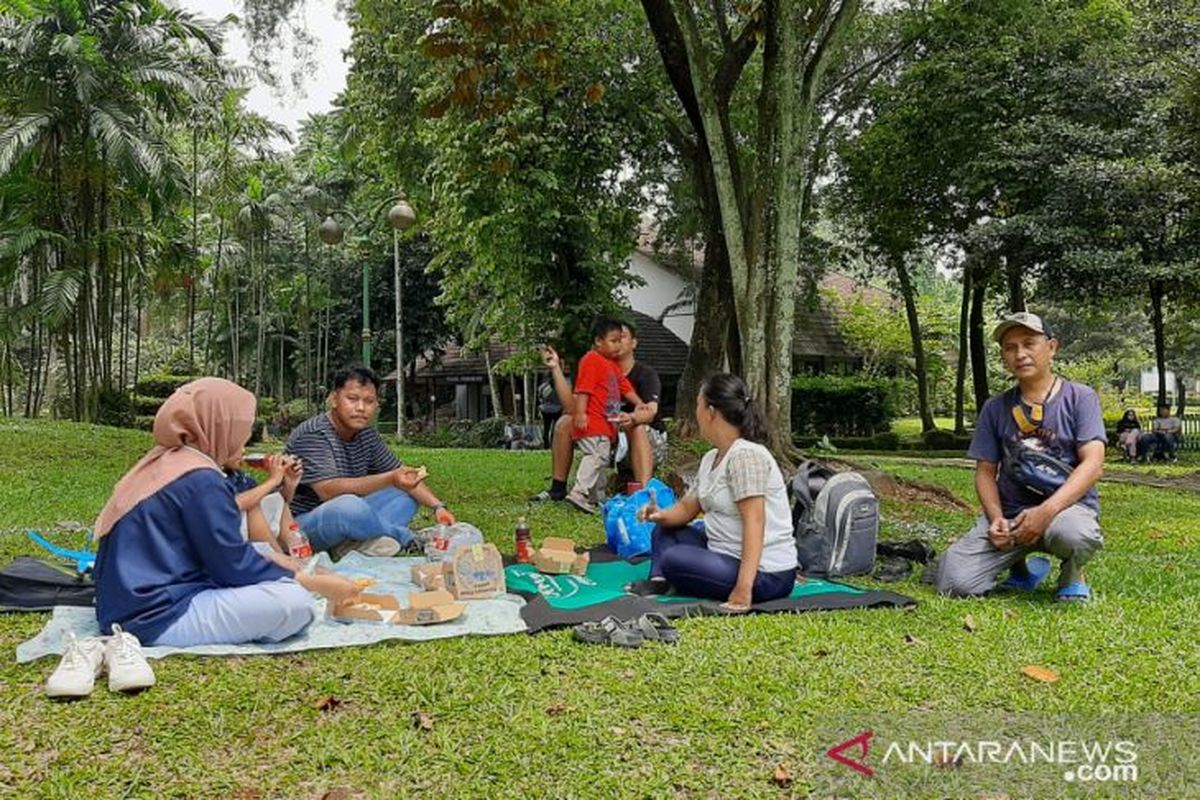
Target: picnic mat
x,y
482,617
559,600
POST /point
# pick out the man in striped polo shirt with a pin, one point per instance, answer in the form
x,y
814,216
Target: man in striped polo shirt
x,y
355,493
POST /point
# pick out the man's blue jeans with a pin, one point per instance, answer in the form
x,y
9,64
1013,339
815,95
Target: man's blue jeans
x,y
386,512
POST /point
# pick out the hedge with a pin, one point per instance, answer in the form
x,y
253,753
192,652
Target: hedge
x,y
162,385
834,405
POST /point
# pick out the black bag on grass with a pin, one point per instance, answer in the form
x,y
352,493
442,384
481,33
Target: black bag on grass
x,y
31,584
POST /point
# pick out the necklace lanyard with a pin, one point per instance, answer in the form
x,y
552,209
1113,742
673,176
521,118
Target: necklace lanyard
x,y
1028,423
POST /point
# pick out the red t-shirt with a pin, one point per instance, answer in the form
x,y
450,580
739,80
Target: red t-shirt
x,y
603,382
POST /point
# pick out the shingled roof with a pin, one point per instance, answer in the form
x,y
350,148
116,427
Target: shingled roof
x,y
657,346
817,331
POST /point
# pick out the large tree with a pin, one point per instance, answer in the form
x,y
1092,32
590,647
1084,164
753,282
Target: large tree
x,y
754,174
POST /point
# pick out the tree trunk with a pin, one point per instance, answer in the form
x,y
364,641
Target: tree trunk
x,y
137,328
493,383
1180,396
261,338
307,320
914,332
195,267
710,326
398,298
1014,268
1160,348
979,372
762,231
960,371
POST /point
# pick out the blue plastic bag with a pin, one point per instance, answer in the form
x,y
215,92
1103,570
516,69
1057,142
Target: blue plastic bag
x,y
627,537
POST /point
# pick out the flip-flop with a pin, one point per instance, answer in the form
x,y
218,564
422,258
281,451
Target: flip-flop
x,y
1038,568
648,587
1075,592
654,627
610,631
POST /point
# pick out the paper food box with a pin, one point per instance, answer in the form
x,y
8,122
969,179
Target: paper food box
x,y
558,557
475,572
429,577
366,608
430,608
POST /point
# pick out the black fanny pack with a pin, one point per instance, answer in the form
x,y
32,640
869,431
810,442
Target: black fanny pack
x,y
1033,470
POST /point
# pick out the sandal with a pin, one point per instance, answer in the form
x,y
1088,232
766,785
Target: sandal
x,y
1075,592
610,631
649,587
654,627
1036,569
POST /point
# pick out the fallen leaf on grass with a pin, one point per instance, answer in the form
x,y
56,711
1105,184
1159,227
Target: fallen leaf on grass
x,y
943,760
422,721
1043,674
819,653
246,793
617,731
1155,533
340,793
969,623
910,639
781,777
328,703
628,674
556,710
1010,613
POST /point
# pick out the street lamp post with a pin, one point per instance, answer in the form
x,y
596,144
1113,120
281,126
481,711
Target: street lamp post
x,y
402,218
331,233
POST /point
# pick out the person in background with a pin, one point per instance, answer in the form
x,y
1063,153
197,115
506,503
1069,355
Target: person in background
x,y
1163,440
644,431
1129,432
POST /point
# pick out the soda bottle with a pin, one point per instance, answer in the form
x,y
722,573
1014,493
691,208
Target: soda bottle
x,y
296,542
524,543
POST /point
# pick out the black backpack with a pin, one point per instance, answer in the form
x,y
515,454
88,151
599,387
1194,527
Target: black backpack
x,y
31,584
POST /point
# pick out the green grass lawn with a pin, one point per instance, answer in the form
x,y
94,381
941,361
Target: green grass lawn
x,y
910,427
541,716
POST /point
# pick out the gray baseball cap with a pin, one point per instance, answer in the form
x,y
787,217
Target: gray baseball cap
x,y
1021,319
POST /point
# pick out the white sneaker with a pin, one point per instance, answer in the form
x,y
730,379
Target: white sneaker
x,y
75,675
127,667
380,546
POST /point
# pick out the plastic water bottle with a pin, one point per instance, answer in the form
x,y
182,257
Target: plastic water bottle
x,y
296,542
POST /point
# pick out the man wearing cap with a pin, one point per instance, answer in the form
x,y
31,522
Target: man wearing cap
x,y
1056,426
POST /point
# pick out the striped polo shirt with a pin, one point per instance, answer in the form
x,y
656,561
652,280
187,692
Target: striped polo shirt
x,y
326,455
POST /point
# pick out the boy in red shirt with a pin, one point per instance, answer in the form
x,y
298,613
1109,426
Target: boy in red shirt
x,y
596,411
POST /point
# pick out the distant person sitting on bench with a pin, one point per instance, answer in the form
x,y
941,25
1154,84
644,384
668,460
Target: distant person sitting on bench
x,y
1163,440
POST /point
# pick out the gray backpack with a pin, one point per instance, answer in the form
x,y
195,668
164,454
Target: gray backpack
x,y
837,529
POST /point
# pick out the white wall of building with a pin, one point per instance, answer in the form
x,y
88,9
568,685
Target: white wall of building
x,y
661,289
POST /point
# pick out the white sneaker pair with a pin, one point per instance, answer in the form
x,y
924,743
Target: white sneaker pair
x,y
85,659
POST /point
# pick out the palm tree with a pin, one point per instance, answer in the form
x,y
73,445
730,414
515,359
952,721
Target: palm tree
x,y
87,91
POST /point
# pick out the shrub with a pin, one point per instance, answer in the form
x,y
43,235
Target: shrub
x,y
282,420
146,406
114,407
841,406
938,439
162,385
